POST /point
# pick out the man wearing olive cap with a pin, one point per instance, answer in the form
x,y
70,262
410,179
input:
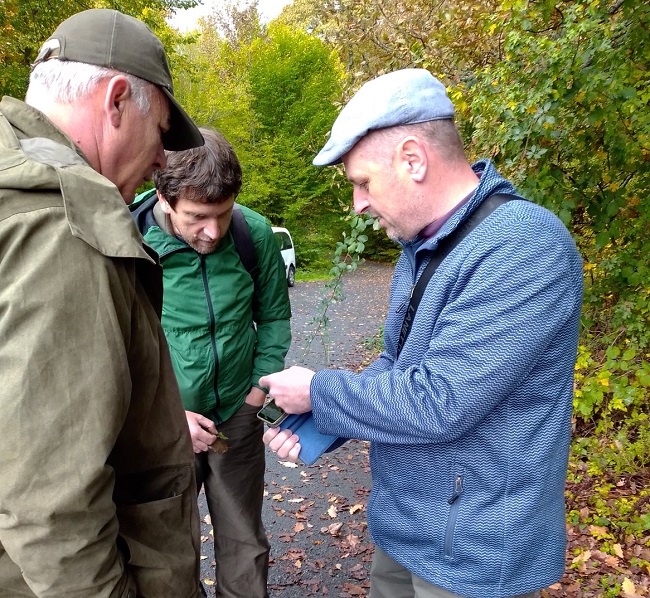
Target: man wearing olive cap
x,y
468,411
98,497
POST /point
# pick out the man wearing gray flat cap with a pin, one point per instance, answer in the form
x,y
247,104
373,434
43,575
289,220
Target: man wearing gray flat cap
x,y
468,407
98,495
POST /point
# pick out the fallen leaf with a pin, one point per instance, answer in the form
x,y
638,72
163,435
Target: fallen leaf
x,y
581,560
333,529
628,587
355,508
288,464
618,550
332,511
352,540
598,530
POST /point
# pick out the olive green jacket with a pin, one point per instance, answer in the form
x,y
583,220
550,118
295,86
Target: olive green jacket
x,y
97,491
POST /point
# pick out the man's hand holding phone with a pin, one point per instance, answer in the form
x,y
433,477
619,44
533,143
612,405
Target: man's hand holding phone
x,y
291,388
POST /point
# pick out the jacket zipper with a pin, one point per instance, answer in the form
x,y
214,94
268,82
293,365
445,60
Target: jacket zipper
x,y
453,514
206,288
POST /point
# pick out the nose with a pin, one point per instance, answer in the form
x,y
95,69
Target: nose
x,y
360,200
211,230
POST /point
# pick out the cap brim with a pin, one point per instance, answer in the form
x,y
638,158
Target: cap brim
x,y
328,157
183,134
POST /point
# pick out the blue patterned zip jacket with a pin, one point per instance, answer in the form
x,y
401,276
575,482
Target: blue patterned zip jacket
x,y
470,426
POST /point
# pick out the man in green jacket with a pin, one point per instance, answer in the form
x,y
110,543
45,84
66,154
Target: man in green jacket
x,y
225,329
97,490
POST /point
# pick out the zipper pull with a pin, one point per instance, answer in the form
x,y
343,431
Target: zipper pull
x,y
458,489
402,306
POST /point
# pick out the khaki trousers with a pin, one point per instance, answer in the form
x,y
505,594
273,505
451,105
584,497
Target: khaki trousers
x,y
234,490
388,579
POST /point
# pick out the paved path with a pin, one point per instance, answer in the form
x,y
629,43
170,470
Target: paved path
x,y
315,516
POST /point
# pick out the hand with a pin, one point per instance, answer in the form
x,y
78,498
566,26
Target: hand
x,y
283,442
255,397
202,431
290,389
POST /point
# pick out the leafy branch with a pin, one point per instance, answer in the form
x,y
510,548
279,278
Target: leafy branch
x,y
347,257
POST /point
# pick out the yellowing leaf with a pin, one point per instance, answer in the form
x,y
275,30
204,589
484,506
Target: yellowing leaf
x,y
598,530
583,557
208,582
628,587
618,550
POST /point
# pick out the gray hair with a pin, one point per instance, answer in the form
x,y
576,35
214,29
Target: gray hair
x,y
67,81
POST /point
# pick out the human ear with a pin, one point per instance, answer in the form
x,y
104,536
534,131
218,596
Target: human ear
x,y
414,158
118,91
164,204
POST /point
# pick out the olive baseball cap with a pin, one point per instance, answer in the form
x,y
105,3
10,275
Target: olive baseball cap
x,y
404,97
108,38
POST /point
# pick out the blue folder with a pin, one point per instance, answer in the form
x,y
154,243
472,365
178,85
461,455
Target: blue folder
x,y
313,444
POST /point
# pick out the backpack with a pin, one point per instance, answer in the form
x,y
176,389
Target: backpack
x,y
244,245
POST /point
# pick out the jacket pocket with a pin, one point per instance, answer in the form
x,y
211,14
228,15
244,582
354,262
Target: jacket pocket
x,y
454,501
159,550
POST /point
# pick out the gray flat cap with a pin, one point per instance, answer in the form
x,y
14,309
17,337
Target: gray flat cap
x,y
403,97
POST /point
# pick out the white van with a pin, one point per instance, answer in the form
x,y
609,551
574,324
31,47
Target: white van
x,y
285,244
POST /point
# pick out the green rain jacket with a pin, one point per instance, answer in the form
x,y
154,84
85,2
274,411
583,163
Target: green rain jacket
x,y
97,490
224,331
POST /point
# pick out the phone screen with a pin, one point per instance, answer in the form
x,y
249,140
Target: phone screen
x,y
271,414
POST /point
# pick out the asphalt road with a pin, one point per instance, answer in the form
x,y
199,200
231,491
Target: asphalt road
x,y
315,515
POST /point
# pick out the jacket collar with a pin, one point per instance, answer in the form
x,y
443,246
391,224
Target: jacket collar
x,y
490,182
41,157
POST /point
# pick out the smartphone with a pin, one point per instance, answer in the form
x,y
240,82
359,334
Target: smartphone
x,y
271,414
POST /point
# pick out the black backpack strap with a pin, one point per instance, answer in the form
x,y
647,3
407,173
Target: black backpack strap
x,y
445,247
244,245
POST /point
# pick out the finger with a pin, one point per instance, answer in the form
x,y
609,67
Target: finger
x,y
285,450
270,434
280,439
294,453
206,439
207,424
199,447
